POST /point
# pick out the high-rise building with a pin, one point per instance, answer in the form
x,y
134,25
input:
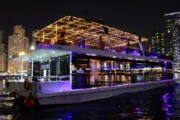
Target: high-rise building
x,y
158,43
2,53
172,33
6,56
17,43
172,37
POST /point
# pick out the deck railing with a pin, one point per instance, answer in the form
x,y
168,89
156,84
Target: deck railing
x,y
123,50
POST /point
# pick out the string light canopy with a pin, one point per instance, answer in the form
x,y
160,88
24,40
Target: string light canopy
x,y
78,28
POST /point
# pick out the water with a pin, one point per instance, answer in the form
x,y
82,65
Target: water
x,y
158,104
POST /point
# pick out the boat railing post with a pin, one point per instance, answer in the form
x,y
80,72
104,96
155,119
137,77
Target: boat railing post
x,y
21,69
141,47
70,66
31,68
49,71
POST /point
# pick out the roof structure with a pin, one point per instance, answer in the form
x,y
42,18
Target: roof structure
x,y
40,54
76,28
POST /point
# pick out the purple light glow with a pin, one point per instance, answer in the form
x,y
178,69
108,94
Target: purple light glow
x,y
65,116
135,53
113,50
101,67
123,52
154,56
53,87
137,109
166,106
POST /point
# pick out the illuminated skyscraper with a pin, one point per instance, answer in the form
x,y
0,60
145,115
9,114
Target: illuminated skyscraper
x,y
172,36
17,43
158,43
2,53
172,33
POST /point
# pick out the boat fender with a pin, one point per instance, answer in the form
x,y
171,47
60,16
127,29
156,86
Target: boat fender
x,y
7,83
29,101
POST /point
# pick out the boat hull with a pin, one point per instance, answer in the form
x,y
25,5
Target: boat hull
x,y
87,95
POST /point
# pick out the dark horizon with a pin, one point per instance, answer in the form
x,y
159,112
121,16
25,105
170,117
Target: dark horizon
x,y
142,17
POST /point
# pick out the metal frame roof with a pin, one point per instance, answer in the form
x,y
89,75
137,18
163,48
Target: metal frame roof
x,y
77,28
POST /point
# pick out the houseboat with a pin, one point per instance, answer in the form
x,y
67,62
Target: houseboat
x,y
75,61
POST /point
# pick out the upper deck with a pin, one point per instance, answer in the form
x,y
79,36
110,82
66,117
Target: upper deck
x,y
58,50
80,33
78,28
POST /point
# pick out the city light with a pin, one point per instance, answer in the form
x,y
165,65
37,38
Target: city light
x,y
32,47
21,53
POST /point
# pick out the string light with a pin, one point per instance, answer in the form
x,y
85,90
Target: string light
x,y
89,30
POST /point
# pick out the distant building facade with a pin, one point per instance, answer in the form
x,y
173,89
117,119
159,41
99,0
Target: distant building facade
x,y
172,33
17,43
172,37
158,42
2,53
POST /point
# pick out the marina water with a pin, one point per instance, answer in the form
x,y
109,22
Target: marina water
x,y
158,104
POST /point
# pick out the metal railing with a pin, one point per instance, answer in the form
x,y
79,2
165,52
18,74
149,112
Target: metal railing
x,y
50,78
122,50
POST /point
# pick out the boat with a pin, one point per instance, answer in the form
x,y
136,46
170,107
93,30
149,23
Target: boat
x,y
77,61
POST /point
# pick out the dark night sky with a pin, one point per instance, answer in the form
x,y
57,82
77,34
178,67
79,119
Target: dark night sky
x,y
139,16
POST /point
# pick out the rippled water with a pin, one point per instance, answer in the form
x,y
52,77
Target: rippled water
x,y
158,104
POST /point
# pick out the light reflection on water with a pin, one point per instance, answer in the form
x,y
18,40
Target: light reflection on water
x,y
158,104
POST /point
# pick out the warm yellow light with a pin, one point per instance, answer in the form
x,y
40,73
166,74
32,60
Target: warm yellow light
x,y
32,47
21,53
89,30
